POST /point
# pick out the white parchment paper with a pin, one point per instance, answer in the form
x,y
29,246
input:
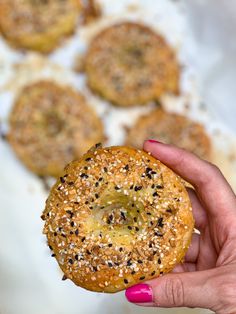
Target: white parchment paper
x,y
202,32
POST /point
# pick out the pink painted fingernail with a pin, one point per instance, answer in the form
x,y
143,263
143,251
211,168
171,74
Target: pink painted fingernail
x,y
154,141
141,293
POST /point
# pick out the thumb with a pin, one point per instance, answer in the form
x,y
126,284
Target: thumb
x,y
192,289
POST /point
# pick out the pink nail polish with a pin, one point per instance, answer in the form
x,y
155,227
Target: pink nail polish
x,y
141,293
154,141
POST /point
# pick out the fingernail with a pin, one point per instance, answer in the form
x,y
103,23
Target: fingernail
x,y
141,293
154,141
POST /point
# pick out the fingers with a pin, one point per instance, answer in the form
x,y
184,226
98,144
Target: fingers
x,y
207,252
211,186
199,214
193,251
189,289
185,267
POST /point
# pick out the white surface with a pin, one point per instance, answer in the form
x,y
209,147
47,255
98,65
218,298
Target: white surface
x,y
29,277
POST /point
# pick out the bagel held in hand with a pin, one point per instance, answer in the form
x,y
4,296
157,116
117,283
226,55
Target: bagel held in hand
x,y
207,277
117,217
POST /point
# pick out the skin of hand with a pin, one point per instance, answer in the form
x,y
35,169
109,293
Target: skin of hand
x,y
207,278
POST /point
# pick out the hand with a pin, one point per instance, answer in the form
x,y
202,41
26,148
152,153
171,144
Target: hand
x,y
207,278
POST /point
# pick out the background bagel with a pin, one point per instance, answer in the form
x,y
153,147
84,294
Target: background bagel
x,y
117,217
170,128
129,64
51,125
38,25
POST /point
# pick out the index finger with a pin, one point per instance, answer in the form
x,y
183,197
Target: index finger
x,y
211,186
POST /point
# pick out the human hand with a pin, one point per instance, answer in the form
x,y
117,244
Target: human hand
x,y
207,278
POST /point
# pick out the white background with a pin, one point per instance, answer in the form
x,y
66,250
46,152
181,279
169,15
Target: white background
x,y
30,282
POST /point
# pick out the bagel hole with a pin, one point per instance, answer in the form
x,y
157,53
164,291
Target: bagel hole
x,y
118,213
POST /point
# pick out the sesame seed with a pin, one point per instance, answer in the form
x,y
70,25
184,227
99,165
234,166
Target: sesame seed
x,y
129,262
125,281
62,180
158,234
84,175
160,222
142,278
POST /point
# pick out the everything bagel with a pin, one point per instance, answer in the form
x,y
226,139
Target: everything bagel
x,y
117,217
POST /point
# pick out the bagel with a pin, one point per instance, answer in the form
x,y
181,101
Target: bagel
x,y
129,64
170,128
117,217
51,125
38,25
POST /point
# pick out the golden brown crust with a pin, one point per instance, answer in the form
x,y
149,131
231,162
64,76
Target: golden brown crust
x,y
117,217
91,11
170,128
51,125
38,24
129,64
